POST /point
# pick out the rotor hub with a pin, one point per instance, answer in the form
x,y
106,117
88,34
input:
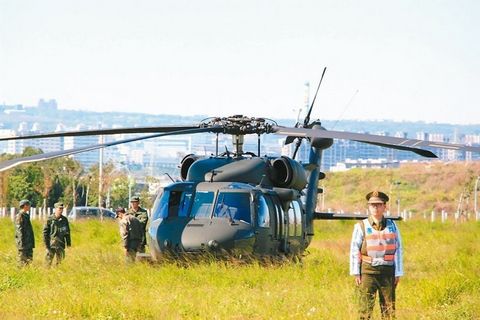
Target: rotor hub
x,y
241,125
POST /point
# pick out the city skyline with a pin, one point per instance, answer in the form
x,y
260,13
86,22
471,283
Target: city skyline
x,y
399,61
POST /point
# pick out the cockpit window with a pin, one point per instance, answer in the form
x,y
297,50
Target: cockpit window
x,y
262,212
234,206
202,204
160,207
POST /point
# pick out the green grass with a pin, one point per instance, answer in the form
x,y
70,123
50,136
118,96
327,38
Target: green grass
x,y
442,265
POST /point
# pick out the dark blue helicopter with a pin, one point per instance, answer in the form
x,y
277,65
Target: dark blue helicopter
x,y
240,202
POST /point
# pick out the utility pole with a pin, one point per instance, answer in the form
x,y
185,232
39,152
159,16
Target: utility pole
x,y
88,188
477,214
391,192
100,173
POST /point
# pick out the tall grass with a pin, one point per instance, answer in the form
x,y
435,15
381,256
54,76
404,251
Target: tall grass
x,y
442,265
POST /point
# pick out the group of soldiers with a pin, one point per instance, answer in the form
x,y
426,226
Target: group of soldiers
x,y
56,232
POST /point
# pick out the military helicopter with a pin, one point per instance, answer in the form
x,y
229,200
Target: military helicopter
x,y
239,201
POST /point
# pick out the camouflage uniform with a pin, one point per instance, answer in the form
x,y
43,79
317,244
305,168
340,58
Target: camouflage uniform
x,y
56,234
131,232
24,237
142,215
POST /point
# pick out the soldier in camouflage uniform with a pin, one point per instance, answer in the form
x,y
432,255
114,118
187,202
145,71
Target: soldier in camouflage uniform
x,y
56,234
142,215
131,232
24,237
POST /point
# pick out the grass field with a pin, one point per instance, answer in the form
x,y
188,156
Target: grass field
x,y
442,266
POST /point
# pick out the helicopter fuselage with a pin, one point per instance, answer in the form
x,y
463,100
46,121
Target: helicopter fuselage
x,y
261,215
225,217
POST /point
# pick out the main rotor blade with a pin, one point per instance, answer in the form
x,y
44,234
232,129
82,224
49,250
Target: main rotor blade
x,y
384,141
101,132
5,165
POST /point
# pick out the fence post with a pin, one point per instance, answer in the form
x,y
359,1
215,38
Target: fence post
x,y
433,216
12,213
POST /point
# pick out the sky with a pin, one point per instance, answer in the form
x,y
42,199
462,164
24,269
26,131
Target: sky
x,y
403,60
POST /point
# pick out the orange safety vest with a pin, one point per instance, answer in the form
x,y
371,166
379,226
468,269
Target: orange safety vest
x,y
380,245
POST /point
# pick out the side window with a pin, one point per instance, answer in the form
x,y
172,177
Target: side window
x,y
202,204
263,214
297,209
278,216
291,221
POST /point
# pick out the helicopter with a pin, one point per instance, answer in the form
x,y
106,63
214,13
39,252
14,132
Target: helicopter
x,y
239,201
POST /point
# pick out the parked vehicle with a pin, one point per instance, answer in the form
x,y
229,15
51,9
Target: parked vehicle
x,y
90,213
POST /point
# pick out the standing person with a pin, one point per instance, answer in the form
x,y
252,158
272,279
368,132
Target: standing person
x,y
142,215
24,237
131,232
56,234
376,258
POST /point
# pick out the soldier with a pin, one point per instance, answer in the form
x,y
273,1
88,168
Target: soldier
x,y
56,234
24,237
376,258
131,232
142,216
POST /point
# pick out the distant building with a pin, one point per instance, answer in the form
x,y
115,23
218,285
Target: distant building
x,y
364,163
50,105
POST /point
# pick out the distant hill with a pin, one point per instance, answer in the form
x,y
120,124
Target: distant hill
x,y
422,187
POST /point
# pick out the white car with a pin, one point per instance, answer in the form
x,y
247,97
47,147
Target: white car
x,y
90,213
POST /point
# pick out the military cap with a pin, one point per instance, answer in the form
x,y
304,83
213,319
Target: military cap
x,y
376,197
23,202
135,199
58,205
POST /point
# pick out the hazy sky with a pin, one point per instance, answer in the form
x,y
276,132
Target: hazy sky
x,y
409,60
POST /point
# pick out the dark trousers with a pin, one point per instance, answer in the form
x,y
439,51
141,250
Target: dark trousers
x,y
385,286
25,257
52,253
133,247
141,247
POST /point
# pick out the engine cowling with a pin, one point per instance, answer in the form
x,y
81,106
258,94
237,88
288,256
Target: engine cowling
x,y
186,163
288,173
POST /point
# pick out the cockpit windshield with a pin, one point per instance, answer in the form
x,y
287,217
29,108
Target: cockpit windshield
x,y
202,204
233,206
